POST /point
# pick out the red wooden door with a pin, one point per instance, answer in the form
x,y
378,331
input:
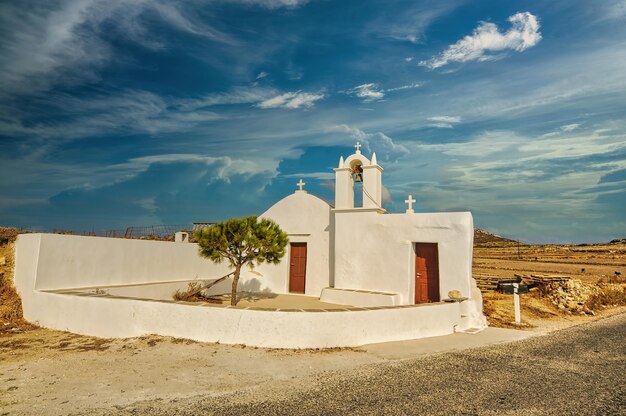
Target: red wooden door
x,y
426,272
297,268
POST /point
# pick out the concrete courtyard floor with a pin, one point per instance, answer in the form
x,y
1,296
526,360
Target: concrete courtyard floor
x,y
276,301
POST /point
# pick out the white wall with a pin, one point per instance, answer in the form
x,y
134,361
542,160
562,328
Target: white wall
x,y
375,251
67,261
118,317
306,219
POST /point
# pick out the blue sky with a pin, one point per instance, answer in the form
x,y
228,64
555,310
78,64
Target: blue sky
x,y
141,112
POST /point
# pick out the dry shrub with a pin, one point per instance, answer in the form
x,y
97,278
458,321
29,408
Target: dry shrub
x,y
612,279
192,294
607,295
9,234
11,315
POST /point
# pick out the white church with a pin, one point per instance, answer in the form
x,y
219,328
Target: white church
x,y
364,256
398,276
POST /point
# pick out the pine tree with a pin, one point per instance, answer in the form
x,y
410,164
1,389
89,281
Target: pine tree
x,y
243,242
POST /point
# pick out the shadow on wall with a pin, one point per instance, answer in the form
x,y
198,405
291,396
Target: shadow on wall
x,y
251,286
254,286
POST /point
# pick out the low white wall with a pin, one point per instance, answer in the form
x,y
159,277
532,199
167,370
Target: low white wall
x,y
119,317
375,251
104,316
359,298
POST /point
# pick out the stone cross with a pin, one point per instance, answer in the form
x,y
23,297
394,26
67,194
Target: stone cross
x,y
301,184
410,203
357,146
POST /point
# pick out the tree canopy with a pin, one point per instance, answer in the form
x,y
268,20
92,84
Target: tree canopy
x,y
242,242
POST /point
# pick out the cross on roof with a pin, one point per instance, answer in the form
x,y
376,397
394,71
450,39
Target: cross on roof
x,y
357,146
301,184
410,202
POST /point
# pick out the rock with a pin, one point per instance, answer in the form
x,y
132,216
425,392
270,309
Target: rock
x,y
455,294
588,311
3,261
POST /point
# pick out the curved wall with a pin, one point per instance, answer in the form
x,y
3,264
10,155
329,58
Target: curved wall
x,y
110,316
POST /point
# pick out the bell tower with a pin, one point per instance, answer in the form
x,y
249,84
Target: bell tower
x,y
358,169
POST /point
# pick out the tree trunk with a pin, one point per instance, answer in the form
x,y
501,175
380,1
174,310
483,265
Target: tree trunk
x,y
233,292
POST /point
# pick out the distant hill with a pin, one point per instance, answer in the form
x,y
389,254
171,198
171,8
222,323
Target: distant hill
x,y
485,237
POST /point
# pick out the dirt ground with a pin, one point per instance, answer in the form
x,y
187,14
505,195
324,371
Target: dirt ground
x,y
57,372
61,373
589,263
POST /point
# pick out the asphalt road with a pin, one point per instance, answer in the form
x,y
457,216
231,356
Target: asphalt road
x,y
576,371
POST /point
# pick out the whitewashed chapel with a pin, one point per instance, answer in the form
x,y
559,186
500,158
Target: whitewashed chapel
x,y
393,274
364,256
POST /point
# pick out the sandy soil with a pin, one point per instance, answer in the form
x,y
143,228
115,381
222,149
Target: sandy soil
x,y
52,372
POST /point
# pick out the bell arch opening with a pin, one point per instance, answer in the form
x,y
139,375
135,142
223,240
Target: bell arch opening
x,y
356,170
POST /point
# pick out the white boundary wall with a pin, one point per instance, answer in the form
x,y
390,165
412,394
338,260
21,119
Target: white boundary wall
x,y
47,256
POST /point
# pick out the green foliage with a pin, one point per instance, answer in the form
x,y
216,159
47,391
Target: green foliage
x,y
243,242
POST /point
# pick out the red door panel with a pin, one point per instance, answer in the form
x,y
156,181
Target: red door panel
x,y
297,268
426,273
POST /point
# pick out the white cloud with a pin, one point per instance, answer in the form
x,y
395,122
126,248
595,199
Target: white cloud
x,y
273,4
444,122
262,75
523,176
291,100
374,92
414,19
570,127
236,95
46,43
368,92
408,59
487,41
404,87
374,142
322,176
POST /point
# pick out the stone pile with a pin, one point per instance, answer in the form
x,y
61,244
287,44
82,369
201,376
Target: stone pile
x,y
570,296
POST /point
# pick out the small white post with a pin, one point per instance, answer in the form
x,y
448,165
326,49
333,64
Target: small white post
x,y
518,318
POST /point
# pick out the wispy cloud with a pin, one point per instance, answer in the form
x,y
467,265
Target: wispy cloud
x,y
262,75
291,100
43,44
272,4
487,41
570,127
413,22
368,92
404,87
236,95
374,142
533,177
444,122
374,92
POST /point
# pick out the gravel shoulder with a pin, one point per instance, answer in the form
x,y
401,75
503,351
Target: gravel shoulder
x,y
579,370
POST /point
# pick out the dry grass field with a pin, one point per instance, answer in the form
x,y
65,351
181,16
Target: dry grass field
x,y
592,264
